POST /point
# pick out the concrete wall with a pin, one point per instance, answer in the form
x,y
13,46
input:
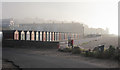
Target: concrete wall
x,y
29,44
8,34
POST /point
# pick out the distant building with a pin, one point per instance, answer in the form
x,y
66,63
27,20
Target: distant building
x,y
56,27
11,24
88,31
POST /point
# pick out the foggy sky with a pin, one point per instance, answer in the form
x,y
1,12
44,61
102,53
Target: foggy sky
x,y
93,14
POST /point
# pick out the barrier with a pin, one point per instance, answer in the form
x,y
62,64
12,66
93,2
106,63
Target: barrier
x,y
29,44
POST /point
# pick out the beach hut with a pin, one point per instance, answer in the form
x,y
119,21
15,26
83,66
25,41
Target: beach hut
x,y
16,35
47,36
50,36
70,35
40,36
28,35
37,34
65,36
58,36
76,36
44,36
62,36
22,35
73,36
32,35
54,36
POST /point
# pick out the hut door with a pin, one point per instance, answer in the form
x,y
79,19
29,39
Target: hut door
x,y
44,36
36,36
53,36
32,35
16,35
40,36
47,36
22,35
57,36
50,36
28,35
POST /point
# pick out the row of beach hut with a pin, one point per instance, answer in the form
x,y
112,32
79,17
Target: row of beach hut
x,y
44,35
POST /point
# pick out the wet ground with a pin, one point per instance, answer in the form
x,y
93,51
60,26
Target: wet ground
x,y
51,58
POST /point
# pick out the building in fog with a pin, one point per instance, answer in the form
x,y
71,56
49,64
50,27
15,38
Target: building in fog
x,y
52,27
39,25
88,31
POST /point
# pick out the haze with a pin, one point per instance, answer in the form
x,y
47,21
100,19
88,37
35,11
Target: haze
x,y
94,14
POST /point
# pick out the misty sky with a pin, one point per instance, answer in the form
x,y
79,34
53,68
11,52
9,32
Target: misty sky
x,y
94,14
